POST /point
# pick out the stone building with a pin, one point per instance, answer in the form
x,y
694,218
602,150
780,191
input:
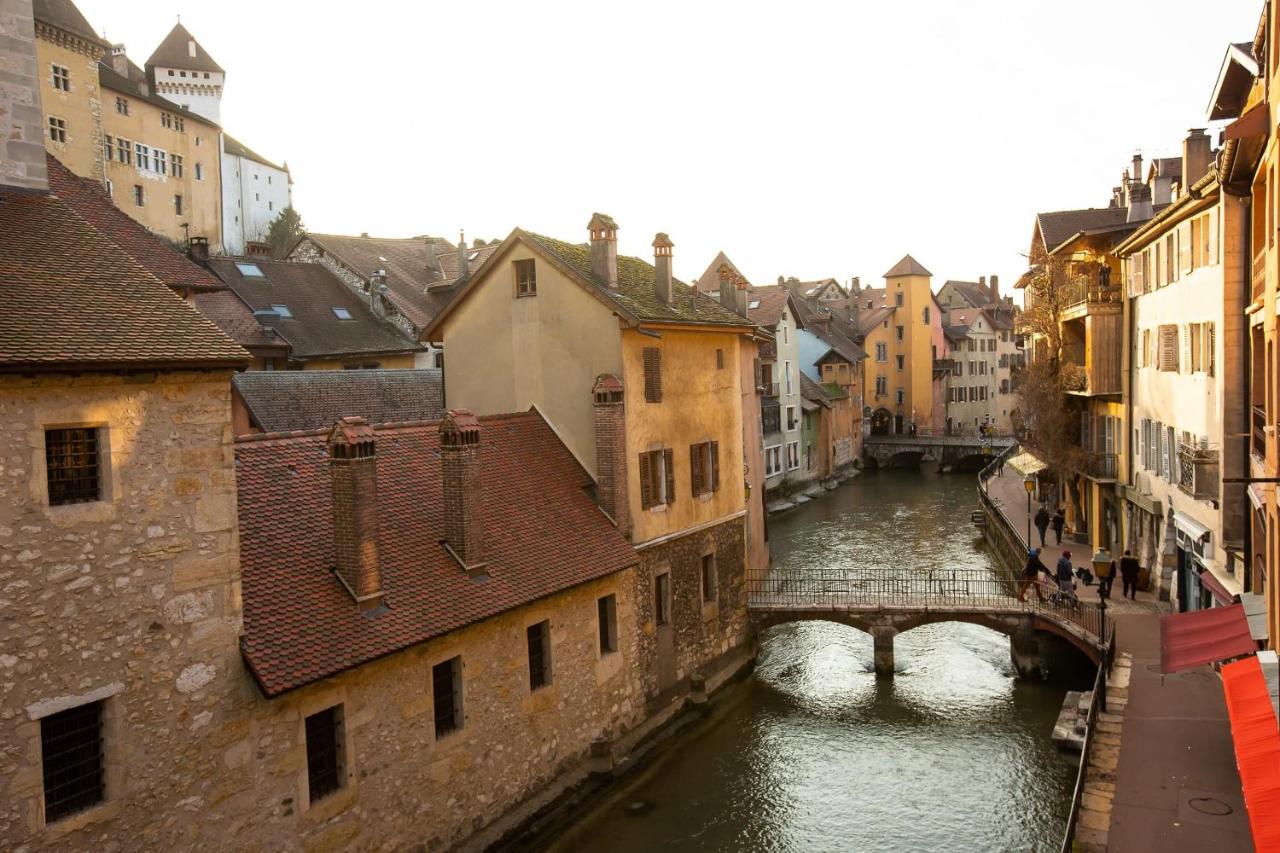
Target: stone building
x,y
421,274
118,539
641,375
254,191
974,393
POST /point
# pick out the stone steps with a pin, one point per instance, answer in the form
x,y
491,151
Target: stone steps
x,y
1094,824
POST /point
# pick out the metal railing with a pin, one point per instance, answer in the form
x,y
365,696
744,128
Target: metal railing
x,y
1260,431
966,591
1103,466
770,389
1097,705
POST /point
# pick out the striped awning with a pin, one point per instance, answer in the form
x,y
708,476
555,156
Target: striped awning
x,y
1257,743
1026,463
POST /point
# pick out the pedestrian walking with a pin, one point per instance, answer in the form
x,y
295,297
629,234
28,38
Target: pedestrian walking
x,y
1129,569
1058,522
1042,523
1030,572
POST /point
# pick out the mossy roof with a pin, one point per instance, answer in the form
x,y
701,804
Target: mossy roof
x,y
636,293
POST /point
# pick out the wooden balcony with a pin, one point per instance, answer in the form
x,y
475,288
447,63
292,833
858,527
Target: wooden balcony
x,y
1259,275
1082,295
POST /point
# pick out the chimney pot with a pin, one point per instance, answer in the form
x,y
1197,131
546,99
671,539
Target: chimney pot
x,y
609,415
733,290
198,249
662,247
1197,155
433,259
461,489
353,471
463,269
1137,168
995,288
604,249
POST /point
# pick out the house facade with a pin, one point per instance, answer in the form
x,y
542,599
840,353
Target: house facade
x,y
254,191
973,401
898,325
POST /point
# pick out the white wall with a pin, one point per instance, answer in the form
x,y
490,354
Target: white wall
x,y
196,92
253,194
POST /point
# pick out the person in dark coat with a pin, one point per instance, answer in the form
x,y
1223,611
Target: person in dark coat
x,y
1030,572
1129,569
1058,521
1042,523
1065,572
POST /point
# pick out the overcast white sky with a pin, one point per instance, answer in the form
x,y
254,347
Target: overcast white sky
x,y
808,138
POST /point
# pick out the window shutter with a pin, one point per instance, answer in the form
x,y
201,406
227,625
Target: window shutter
x,y
1162,463
1169,348
1213,237
715,466
1209,349
759,378
1172,445
652,375
1085,442
668,458
1184,348
646,482
695,468
1184,246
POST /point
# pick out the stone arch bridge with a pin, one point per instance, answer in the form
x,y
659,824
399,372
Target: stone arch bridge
x,y
949,451
885,604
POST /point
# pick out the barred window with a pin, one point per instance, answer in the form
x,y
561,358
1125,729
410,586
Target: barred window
x,y
539,637
71,755
324,752
72,465
446,694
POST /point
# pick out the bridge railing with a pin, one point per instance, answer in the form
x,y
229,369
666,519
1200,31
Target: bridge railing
x,y
968,590
1097,705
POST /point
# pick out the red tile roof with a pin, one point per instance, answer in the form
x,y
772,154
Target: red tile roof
x,y
74,299
544,534
161,259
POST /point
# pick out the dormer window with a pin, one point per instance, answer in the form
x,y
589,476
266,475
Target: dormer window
x,y
526,278
249,270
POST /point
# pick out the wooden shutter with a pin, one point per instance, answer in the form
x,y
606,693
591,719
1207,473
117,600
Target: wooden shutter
x,y
668,458
1213,237
1184,247
1210,350
1184,348
756,367
695,468
646,481
652,375
1085,424
1169,347
1173,457
715,465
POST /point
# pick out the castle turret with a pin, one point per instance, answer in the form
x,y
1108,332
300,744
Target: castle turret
x,y
182,71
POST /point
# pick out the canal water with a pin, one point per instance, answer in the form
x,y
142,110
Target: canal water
x,y
812,753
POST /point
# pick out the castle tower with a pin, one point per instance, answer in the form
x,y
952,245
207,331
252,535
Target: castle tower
x,y
182,71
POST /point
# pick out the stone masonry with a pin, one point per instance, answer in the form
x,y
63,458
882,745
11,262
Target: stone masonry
x,y
22,163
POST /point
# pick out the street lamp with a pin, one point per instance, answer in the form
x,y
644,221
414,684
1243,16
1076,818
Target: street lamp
x,y
1102,569
1029,483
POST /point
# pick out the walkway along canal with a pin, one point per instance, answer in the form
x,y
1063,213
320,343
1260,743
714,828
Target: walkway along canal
x,y
815,753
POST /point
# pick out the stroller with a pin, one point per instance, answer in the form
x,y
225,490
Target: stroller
x,y
1063,593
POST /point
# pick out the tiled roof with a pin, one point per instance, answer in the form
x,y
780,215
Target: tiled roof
x,y
772,299
236,148
840,343
543,534
230,314
74,299
977,295
1058,226
811,390
956,332
287,400
64,15
174,52
160,258
636,292
311,293
709,281
418,291
868,320
109,79
907,266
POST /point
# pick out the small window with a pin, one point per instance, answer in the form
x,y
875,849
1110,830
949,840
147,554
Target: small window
x,y
901,361
122,106
159,160
719,359
177,204
899,332
57,129
71,756
124,151
897,299
108,148
61,78
652,375
175,165
539,637
342,313
662,598
249,270
325,773
199,172
142,157
73,465
139,198
657,478
709,585
271,205
526,278
283,311
446,694
704,467
607,611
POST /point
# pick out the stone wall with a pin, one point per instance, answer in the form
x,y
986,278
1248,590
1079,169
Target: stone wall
x,y
22,127
133,599
706,634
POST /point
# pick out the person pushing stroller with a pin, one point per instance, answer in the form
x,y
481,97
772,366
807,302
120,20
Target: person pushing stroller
x,y
1065,575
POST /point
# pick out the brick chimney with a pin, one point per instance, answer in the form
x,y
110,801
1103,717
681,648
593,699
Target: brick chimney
x,y
461,489
198,250
609,413
604,249
995,289
662,246
353,470
377,293
462,257
433,259
733,290
1197,154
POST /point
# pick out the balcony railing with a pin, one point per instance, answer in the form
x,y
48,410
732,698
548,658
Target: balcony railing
x,y
1259,274
1087,289
1103,466
1260,432
1198,471
770,416
770,389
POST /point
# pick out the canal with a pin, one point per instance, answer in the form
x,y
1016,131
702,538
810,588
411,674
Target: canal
x,y
812,753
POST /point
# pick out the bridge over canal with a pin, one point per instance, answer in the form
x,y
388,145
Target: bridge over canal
x,y
949,451
887,603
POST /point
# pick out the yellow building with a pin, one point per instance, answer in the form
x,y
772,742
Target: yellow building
x,y
898,325
642,378
159,161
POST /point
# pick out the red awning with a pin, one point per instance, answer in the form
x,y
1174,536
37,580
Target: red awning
x,y
1204,636
1257,741
1211,583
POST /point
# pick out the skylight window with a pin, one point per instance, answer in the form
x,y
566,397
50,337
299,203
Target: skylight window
x,y
283,311
384,260
342,313
754,303
250,270
473,256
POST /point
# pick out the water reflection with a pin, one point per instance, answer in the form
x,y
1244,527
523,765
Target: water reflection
x,y
814,753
